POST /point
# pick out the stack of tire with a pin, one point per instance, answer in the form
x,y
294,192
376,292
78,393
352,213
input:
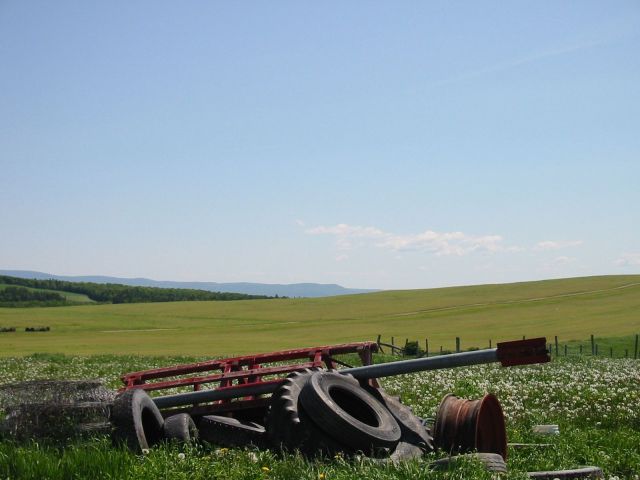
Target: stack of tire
x,y
313,412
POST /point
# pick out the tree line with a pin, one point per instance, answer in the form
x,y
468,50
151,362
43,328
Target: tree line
x,y
21,296
117,293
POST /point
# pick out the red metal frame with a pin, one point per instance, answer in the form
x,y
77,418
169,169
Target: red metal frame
x,y
229,373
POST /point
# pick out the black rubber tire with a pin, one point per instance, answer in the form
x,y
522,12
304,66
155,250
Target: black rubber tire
x,y
231,432
289,428
180,428
137,421
493,462
415,439
584,472
343,409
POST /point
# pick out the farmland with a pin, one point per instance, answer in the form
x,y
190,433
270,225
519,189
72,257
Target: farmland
x,y
573,309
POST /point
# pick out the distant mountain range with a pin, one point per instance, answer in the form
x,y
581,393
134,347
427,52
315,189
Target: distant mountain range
x,y
271,289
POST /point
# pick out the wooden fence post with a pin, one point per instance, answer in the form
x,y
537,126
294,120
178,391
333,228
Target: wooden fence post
x,y
596,350
489,343
565,349
611,352
580,349
593,347
556,345
457,344
426,347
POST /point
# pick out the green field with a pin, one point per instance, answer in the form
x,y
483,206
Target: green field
x,y
606,306
69,296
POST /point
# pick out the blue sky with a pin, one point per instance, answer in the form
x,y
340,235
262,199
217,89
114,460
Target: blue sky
x,y
371,144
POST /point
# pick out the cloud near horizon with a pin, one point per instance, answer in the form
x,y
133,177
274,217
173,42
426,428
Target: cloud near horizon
x,y
438,243
629,260
557,244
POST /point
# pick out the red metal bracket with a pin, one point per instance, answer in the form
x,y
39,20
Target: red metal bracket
x,y
523,352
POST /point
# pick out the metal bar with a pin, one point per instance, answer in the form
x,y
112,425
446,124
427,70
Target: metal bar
x,y
421,364
520,352
232,375
220,394
245,360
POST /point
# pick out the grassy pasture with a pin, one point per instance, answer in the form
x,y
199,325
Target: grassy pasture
x,y
70,296
607,306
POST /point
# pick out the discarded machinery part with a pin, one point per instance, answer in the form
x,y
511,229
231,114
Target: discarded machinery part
x,y
53,421
223,393
492,462
136,420
343,409
415,438
546,429
466,425
231,432
584,472
290,428
181,428
520,352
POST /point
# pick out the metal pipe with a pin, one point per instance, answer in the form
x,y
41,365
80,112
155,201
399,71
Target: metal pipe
x,y
421,364
204,396
366,372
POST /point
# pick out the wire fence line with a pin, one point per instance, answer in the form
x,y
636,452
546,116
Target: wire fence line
x,y
591,347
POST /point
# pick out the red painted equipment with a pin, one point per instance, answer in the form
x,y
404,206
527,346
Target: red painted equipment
x,y
244,379
241,383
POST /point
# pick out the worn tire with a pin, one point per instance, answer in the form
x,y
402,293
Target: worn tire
x,y
584,472
290,428
493,462
137,421
180,428
415,439
231,432
343,409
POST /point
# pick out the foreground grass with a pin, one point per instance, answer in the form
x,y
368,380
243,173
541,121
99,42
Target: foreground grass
x,y
572,309
593,400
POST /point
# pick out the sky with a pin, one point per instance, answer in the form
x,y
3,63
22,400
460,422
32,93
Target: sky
x,y
372,144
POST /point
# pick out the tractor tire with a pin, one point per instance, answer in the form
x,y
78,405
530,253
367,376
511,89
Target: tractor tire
x,y
231,432
493,462
180,428
343,409
584,472
289,428
416,439
137,421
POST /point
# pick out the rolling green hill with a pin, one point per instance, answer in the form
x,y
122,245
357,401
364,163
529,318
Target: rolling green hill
x,y
607,306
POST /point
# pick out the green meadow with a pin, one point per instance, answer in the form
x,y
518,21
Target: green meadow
x,y
572,309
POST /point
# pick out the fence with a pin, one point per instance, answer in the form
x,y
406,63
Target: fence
x,y
556,348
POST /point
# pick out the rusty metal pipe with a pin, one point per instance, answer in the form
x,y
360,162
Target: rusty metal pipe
x,y
520,352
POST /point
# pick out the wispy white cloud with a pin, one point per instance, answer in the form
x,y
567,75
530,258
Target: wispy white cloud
x,y
557,244
628,260
516,62
438,243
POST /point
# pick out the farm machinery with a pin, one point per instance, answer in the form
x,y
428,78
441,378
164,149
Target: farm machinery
x,y
308,400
